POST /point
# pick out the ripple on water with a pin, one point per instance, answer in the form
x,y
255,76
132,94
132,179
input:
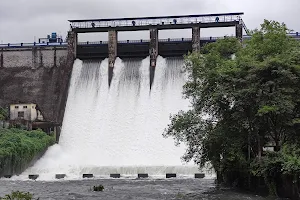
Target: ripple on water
x,y
124,189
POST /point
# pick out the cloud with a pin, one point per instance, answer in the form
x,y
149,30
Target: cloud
x,y
22,20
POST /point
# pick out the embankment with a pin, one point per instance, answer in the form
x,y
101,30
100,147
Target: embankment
x,y
20,149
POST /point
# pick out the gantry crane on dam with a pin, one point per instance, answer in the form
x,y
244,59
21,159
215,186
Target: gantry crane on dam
x,y
154,24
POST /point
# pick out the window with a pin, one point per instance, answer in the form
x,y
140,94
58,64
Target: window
x,y
24,106
16,107
20,114
32,106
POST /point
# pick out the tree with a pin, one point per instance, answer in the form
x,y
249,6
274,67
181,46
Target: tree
x,y
243,96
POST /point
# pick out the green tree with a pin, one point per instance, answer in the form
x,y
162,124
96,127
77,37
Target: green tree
x,y
243,96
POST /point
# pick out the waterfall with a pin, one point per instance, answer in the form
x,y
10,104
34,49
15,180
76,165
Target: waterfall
x,y
119,129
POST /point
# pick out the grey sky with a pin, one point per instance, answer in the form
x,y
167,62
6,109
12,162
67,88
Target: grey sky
x,y
24,20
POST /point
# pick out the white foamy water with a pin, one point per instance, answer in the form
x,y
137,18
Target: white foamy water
x,y
118,129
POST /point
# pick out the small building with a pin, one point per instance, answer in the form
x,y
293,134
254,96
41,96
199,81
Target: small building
x,y
28,112
28,116
53,38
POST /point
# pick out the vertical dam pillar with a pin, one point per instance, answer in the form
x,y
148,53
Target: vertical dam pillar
x,y
196,39
1,58
112,53
153,52
239,31
72,44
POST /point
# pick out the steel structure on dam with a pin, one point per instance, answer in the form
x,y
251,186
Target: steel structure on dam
x,y
153,24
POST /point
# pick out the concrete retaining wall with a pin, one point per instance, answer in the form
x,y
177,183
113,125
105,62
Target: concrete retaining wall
x,y
37,75
34,57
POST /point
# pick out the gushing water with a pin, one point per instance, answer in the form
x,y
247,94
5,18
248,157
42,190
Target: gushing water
x,y
119,129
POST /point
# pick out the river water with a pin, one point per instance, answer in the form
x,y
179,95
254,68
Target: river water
x,y
119,130
126,189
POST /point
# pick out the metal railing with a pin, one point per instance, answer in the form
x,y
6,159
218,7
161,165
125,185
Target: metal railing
x,y
147,41
295,35
245,28
18,45
148,21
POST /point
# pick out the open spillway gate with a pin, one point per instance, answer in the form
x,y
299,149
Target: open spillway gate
x,y
153,24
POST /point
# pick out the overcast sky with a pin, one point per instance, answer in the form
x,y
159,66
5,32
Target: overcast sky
x,y
24,20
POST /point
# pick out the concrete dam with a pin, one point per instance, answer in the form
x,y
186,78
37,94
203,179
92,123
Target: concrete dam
x,y
113,99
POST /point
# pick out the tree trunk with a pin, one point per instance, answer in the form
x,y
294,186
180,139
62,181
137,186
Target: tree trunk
x,y
259,148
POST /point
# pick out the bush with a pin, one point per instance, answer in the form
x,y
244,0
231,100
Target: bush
x,y
3,113
99,188
18,148
18,196
275,165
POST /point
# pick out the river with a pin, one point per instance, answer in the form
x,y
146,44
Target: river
x,y
125,189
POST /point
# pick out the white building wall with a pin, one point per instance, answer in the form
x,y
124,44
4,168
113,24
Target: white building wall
x,y
28,109
33,112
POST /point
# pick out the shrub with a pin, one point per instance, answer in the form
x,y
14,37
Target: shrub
x,y
17,195
99,188
19,147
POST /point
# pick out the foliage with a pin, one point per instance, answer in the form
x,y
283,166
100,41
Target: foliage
x,y
19,147
243,96
3,113
274,164
17,195
98,188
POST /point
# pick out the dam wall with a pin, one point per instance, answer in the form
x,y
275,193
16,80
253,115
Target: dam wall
x,y
37,75
33,57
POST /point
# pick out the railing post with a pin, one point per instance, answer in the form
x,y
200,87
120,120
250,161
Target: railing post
x,y
196,38
112,53
153,51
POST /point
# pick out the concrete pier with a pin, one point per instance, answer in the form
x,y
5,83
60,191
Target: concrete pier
x,y
1,59
196,38
33,176
60,176
199,175
239,31
115,176
153,52
72,42
88,176
112,53
143,176
171,175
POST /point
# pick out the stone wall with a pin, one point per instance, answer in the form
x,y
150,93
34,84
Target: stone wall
x,y
37,75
